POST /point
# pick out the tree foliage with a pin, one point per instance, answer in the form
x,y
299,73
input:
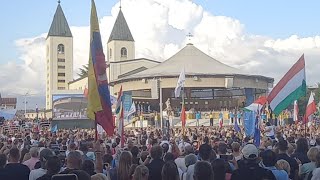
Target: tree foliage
x,y
302,102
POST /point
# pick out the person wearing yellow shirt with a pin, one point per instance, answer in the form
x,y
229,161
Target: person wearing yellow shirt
x,y
211,118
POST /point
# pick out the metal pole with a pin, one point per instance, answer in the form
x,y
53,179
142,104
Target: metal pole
x,y
161,115
25,104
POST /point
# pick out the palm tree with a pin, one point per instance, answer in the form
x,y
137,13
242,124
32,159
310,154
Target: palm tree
x,y
83,71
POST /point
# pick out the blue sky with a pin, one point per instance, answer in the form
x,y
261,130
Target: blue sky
x,y
274,18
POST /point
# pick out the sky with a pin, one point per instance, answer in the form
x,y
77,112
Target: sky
x,y
261,37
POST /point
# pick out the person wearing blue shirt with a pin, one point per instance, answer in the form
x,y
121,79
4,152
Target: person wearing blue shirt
x,y
231,115
239,117
198,117
269,160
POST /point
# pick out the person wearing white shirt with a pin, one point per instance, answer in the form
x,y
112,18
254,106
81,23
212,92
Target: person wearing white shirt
x,y
44,155
269,130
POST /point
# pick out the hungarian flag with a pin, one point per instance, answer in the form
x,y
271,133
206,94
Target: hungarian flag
x,y
311,107
99,104
257,104
290,88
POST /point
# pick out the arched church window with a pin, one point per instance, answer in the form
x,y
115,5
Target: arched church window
x,y
110,53
123,52
60,49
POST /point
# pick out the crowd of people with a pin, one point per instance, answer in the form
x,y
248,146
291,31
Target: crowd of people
x,y
196,153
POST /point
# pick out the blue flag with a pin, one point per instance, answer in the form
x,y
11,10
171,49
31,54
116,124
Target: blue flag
x,y
256,138
249,122
54,128
236,126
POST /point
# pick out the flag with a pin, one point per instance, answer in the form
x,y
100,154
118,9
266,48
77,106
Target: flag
x,y
121,125
295,111
221,122
291,87
311,107
119,100
99,104
183,115
249,122
257,104
236,126
132,110
180,84
256,137
54,128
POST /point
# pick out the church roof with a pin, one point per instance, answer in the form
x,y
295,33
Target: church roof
x,y
121,29
194,62
59,25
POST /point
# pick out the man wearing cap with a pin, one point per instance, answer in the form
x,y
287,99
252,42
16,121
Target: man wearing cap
x,y
249,167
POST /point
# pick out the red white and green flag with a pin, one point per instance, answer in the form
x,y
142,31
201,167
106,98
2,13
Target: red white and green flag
x,y
290,88
257,104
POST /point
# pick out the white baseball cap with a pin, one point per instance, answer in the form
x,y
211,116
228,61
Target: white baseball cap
x,y
249,150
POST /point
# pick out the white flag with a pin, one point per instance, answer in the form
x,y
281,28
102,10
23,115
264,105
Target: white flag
x,y
180,83
295,110
131,111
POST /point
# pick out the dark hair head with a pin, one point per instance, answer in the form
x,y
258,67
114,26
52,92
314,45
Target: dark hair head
x,y
53,165
205,152
88,166
107,158
170,171
283,145
134,151
168,157
14,154
302,145
82,175
203,170
269,158
268,124
222,148
165,147
219,167
156,152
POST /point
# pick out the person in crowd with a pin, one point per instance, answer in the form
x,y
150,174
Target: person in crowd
x,y
269,130
170,171
269,160
122,171
3,162
131,170
211,118
221,169
14,169
301,150
283,165
45,154
34,152
99,176
235,146
180,161
249,168
205,154
305,169
155,166
203,170
135,152
283,154
198,117
141,173
74,161
53,166
88,166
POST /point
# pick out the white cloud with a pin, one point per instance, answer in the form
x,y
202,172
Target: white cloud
x,y
159,28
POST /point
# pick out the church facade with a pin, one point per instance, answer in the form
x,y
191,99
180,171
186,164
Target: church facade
x,y
210,84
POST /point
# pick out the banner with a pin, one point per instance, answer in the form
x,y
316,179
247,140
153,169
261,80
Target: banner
x,y
127,102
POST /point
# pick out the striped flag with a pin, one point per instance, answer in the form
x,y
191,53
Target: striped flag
x,y
257,104
311,107
99,104
183,115
120,117
295,111
291,87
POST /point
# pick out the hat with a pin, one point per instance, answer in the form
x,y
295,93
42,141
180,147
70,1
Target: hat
x,y
249,150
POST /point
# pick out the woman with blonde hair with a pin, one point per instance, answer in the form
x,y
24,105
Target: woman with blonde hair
x,y
283,165
141,173
306,168
122,170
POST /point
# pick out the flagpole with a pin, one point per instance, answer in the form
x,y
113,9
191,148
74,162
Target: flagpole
x,y
161,108
182,100
95,130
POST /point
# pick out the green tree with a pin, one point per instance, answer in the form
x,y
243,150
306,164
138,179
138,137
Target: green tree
x,y
83,71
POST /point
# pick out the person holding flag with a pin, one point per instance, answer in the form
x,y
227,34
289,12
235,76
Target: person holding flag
x,y
177,92
311,109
